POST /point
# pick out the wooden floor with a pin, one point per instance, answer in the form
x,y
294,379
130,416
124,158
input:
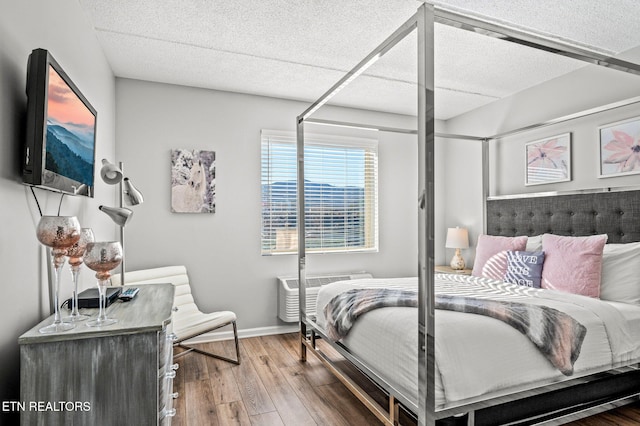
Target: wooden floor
x,y
271,387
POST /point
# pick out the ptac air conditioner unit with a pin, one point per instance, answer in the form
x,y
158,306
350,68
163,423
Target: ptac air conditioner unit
x,y
288,307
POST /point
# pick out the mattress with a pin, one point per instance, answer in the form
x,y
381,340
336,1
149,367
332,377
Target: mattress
x,y
479,357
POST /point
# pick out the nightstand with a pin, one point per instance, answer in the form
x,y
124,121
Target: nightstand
x,y
444,269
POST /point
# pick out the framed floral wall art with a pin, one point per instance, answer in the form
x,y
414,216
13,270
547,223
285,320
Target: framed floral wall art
x,y
549,160
620,148
193,181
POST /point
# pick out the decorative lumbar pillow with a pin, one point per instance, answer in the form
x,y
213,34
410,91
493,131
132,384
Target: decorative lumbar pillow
x,y
621,273
491,255
573,264
495,266
524,268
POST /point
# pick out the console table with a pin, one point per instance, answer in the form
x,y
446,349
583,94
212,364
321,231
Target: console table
x,y
114,375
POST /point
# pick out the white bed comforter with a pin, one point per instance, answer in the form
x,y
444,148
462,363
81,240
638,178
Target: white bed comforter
x,y
478,356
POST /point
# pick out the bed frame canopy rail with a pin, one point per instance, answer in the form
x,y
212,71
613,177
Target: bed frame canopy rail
x,y
423,21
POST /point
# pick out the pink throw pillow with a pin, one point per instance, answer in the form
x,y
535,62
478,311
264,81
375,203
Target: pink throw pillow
x,y
491,255
573,264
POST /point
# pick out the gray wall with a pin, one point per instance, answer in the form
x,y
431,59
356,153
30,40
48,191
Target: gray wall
x,y
222,250
459,171
63,28
586,88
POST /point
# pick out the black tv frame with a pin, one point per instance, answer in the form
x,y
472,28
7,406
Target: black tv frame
x,y
34,172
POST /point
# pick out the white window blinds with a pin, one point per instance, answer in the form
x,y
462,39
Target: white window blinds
x,y
341,193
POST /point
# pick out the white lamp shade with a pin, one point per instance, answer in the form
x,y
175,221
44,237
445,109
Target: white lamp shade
x,y
110,173
133,196
120,215
457,238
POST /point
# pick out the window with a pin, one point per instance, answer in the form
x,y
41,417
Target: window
x,y
341,193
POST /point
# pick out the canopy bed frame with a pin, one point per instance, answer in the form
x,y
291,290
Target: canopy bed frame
x,y
560,401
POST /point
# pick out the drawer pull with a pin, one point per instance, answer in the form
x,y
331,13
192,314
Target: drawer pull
x,y
168,413
175,395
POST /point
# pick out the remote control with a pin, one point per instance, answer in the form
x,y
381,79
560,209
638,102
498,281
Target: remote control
x,y
128,294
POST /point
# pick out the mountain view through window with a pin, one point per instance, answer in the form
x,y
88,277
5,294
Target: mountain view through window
x,y
340,194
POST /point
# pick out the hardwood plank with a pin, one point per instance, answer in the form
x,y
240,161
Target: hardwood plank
x,y
630,413
347,404
267,419
230,348
623,416
254,395
225,387
195,367
200,405
222,348
291,342
315,371
244,352
253,347
292,411
223,382
317,374
601,420
278,352
319,407
233,413
214,363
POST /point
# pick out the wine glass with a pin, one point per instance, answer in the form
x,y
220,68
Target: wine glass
x,y
59,233
75,254
102,257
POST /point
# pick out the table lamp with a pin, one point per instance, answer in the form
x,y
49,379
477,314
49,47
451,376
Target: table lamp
x,y
457,238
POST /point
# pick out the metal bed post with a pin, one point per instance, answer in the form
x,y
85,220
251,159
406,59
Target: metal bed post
x,y
426,213
486,180
390,415
369,60
302,256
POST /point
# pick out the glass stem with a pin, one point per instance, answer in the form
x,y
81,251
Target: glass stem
x,y
56,289
74,300
102,315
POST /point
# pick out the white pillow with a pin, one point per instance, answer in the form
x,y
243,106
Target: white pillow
x,y
534,243
621,273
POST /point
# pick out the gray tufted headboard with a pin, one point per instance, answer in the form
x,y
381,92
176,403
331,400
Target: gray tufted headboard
x,y
616,214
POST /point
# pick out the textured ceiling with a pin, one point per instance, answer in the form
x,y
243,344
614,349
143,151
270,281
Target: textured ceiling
x,y
297,49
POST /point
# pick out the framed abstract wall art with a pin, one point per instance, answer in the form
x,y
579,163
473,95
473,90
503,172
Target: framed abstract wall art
x,y
620,148
549,160
193,181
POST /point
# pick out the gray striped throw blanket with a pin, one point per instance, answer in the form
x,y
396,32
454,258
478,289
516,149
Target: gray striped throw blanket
x,y
556,335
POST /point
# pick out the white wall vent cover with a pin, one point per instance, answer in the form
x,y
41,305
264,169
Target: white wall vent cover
x,y
288,293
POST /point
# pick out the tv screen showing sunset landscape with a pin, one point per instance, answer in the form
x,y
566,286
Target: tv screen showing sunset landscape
x,y
70,133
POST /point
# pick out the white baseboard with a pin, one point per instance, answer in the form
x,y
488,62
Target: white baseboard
x,y
247,332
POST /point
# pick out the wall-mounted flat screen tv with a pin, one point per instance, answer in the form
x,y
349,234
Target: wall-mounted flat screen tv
x,y
59,152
